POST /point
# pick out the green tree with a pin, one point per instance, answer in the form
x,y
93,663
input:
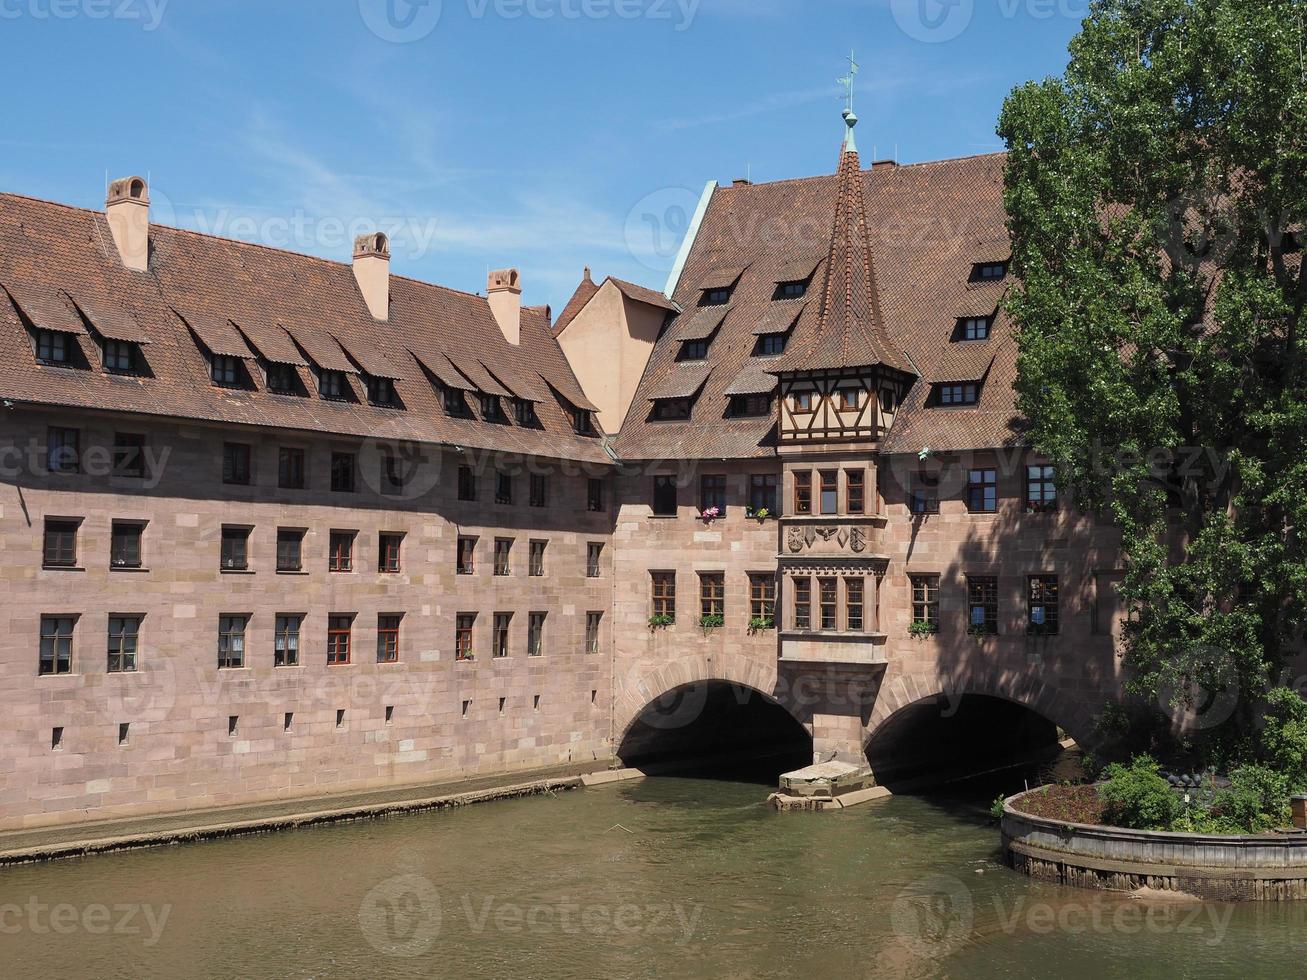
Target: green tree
x,y
1156,197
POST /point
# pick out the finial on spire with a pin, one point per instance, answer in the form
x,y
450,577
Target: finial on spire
x,y
850,117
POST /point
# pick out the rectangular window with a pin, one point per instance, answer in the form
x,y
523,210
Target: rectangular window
x,y
62,450
850,399
925,494
854,604
235,555
389,547
290,468
828,599
231,642
712,493
749,406
332,384
982,491
124,634
286,641
539,491
830,491
503,551
118,356
974,328
1041,490
988,271
583,422
455,403
381,391
594,552
925,601
225,370
762,597
671,409
535,635
525,412
801,402
125,545
290,549
664,595
712,597
957,394
388,638
490,410
536,559
280,378
52,346
340,556
467,483
463,624
503,488
791,290
594,494
803,492
802,602
344,472
467,556
665,496
129,454
1043,618
61,543
500,635
236,463
593,620
769,345
693,350
392,474
982,604
762,493
339,630
855,498
56,645
716,297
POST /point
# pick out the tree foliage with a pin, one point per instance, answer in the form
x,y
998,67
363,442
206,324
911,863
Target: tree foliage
x,y
1156,197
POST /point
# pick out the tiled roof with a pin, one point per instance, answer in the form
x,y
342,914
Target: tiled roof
x,y
643,295
928,223
698,324
269,295
964,361
684,382
584,293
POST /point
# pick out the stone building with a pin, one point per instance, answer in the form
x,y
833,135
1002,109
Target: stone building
x,y
277,527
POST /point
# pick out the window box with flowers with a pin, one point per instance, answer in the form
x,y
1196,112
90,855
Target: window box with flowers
x,y
758,514
661,621
761,624
712,622
710,515
922,628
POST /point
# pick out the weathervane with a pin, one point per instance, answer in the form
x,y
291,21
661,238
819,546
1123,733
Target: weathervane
x,y
847,82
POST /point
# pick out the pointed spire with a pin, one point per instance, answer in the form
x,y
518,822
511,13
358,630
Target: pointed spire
x,y
851,329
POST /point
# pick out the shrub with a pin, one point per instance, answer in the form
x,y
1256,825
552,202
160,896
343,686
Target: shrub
x,y
1137,797
1257,800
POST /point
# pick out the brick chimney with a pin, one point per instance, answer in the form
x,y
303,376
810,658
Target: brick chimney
x,y
127,210
504,291
372,272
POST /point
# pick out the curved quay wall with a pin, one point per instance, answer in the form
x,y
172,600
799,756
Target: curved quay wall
x,y
1222,868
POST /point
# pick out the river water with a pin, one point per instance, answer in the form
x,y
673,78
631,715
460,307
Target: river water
x,y
660,878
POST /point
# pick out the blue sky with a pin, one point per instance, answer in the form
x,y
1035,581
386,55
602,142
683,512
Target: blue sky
x,y
545,134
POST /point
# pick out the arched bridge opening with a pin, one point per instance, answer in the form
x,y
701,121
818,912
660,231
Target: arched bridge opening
x,y
941,740
716,729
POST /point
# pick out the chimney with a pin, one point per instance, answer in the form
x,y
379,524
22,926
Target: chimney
x,y
372,272
504,291
127,210
742,182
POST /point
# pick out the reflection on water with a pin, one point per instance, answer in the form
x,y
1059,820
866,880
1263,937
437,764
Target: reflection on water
x,y
660,878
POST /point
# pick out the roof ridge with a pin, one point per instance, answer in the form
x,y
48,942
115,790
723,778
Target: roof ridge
x,y
745,188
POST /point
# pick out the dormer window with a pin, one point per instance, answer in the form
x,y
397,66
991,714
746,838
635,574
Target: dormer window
x,y
718,296
491,410
582,422
850,399
381,391
525,413
332,384
770,344
694,350
791,290
456,403
280,378
963,393
750,406
801,401
974,328
52,347
671,409
119,356
988,271
225,370
889,401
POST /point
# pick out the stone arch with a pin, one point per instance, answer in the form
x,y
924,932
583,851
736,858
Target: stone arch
x,y
1069,713
637,694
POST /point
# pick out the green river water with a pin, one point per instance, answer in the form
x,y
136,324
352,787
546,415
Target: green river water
x,y
663,877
